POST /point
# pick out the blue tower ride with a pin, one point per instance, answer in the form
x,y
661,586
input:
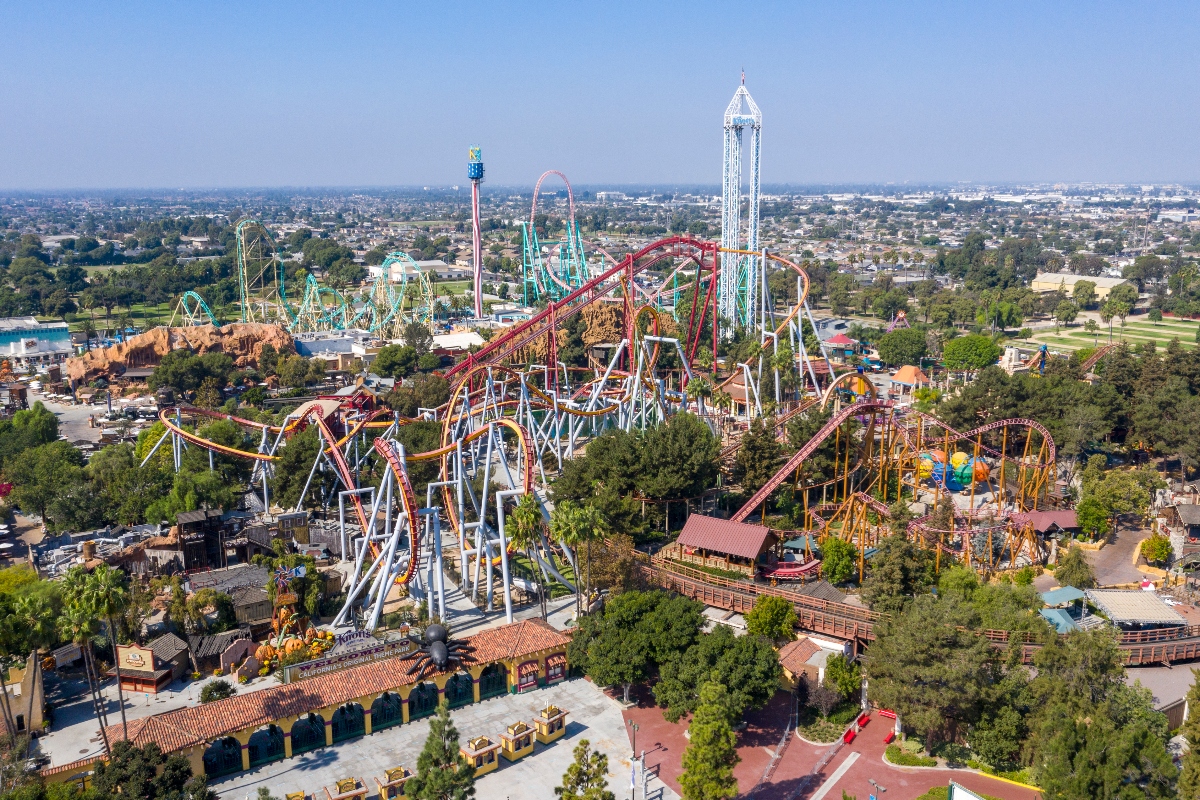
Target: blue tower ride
x,y
475,174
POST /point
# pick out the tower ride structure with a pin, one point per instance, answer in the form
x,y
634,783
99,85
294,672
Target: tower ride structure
x,y
740,273
475,174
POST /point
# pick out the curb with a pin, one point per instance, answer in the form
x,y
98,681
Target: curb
x,y
971,770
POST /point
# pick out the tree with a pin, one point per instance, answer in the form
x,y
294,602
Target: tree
x,y
996,739
839,559
747,665
758,457
773,618
1066,312
929,666
1157,549
824,698
77,624
418,336
395,361
43,475
526,534
1155,315
107,595
711,753
146,774
219,689
1074,570
843,675
1092,517
970,353
1084,293
443,773
585,778
904,346
1189,776
898,571
576,525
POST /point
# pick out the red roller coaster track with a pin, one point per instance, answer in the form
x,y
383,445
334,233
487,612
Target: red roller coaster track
x,y
807,450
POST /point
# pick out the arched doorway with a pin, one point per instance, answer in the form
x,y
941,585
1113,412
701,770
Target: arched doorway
x,y
348,722
386,711
423,700
266,745
308,733
223,757
493,681
460,690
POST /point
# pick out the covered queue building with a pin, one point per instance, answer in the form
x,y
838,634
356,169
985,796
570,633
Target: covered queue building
x,y
256,728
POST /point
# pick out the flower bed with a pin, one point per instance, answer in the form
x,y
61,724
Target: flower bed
x,y
901,758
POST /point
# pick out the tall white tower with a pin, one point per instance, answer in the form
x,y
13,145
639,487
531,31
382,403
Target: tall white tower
x,y
738,287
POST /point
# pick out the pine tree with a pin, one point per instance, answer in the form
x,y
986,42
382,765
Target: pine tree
x,y
1189,776
585,778
443,773
711,754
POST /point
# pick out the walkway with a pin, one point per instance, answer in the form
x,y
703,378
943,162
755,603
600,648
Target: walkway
x,y
592,716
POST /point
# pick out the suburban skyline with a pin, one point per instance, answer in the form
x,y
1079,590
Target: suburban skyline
x,y
225,97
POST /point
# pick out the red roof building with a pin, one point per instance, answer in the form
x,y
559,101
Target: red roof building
x,y
721,544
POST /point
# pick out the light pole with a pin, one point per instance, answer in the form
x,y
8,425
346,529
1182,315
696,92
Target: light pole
x,y
633,728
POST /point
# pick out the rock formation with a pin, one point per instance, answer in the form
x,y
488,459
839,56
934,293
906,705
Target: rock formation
x,y
241,342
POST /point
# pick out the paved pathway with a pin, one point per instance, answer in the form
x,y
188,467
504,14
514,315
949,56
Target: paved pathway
x,y
592,715
1113,563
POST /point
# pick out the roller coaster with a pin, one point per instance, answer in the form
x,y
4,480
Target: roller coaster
x,y
516,413
401,293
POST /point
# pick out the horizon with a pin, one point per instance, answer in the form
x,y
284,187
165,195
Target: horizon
x,y
385,97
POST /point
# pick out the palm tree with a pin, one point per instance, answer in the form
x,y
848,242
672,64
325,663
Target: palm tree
x,y
527,534
577,524
77,624
89,332
108,596
698,388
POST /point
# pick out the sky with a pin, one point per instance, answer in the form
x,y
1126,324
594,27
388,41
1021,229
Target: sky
x,y
187,95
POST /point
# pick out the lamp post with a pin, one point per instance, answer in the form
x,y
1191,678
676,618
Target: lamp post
x,y
633,728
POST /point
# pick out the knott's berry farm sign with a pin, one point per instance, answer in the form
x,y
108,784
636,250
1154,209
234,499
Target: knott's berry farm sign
x,y
350,650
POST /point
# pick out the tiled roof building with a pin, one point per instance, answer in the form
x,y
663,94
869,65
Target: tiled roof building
x,y
510,658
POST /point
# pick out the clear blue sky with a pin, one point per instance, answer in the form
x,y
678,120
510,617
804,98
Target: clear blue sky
x,y
168,94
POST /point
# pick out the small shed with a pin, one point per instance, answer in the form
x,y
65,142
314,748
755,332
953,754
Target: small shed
x,y
481,752
347,789
517,741
1049,523
392,785
551,724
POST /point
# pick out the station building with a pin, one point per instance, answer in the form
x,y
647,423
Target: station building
x,y
256,728
25,342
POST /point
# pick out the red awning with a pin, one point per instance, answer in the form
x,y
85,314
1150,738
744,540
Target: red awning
x,y
556,659
528,668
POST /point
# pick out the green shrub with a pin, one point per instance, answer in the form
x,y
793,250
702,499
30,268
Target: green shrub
x,y
900,758
217,690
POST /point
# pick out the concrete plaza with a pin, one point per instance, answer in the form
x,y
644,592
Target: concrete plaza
x,y
592,715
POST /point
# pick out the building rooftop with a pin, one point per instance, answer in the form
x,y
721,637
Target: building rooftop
x,y
1134,607
724,536
1062,596
185,727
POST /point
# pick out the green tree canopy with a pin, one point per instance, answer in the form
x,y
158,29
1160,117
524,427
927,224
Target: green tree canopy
x,y
443,772
970,353
903,346
747,665
773,618
711,753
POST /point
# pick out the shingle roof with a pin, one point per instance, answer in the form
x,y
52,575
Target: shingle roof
x,y
1189,513
724,536
793,655
185,517
822,590
1042,521
228,578
167,646
185,727
214,645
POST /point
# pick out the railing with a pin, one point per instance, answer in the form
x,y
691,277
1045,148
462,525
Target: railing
x,y
815,603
